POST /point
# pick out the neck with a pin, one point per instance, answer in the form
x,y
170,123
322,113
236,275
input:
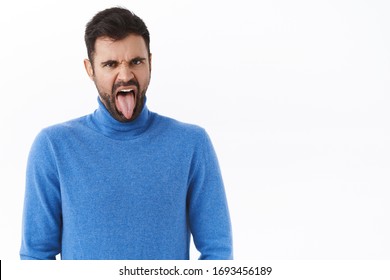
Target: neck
x,y
110,127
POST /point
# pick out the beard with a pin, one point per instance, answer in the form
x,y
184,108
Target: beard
x,y
110,100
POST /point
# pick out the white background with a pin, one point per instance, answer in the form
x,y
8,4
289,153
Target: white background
x,y
294,94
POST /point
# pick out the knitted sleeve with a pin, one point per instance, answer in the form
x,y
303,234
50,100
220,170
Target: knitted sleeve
x,y
41,228
208,212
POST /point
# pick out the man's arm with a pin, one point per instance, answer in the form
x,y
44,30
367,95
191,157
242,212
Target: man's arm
x,y
41,232
207,206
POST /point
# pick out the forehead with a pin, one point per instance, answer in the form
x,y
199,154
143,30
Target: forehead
x,y
127,48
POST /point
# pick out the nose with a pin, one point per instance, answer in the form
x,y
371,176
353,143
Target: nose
x,y
125,73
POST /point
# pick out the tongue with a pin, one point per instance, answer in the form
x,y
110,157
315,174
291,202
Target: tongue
x,y
125,104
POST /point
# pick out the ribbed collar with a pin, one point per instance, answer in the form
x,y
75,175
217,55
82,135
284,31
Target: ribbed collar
x,y
110,127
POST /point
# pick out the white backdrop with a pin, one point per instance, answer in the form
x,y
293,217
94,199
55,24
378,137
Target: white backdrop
x,y
294,94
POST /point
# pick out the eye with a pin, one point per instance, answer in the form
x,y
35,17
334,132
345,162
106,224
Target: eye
x,y
137,61
110,64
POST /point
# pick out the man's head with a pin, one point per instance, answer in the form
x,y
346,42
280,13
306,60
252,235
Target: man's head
x,y
119,61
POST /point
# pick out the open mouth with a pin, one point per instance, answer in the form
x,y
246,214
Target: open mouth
x,y
125,102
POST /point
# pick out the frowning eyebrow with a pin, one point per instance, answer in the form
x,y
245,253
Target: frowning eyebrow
x,y
113,63
109,63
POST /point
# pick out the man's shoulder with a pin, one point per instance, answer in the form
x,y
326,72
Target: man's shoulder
x,y
179,127
64,127
55,135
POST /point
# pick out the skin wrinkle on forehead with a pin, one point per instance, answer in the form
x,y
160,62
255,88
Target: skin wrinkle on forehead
x,y
110,41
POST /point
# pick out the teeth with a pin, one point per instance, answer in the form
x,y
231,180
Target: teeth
x,y
126,90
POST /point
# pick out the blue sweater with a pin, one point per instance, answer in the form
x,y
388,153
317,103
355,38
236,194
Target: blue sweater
x,y
100,189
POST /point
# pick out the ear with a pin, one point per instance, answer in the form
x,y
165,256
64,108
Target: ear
x,y
150,62
88,68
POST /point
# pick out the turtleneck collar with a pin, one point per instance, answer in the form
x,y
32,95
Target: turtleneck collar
x,y
103,122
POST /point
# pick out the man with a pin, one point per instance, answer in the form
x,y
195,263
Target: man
x,y
123,182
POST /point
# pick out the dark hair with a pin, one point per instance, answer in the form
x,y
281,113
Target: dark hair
x,y
115,23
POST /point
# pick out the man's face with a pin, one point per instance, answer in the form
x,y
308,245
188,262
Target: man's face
x,y
121,73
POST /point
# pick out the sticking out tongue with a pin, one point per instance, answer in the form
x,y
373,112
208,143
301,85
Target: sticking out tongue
x,y
125,104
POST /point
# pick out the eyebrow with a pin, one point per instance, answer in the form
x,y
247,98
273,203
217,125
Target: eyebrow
x,y
111,61
108,62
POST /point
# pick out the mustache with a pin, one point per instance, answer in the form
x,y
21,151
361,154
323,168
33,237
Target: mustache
x,y
125,84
